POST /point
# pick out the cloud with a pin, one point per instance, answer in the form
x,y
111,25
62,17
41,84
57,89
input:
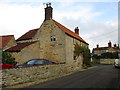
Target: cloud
x,y
18,19
59,0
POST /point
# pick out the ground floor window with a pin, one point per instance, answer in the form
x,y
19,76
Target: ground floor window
x,y
74,57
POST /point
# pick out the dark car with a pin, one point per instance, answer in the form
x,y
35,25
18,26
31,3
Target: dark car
x,y
35,62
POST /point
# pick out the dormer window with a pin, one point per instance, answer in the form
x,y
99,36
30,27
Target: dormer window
x,y
53,38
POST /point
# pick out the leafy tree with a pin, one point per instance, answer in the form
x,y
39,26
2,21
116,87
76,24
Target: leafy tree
x,y
96,56
7,58
85,52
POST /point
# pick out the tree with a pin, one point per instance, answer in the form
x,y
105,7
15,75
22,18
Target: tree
x,y
7,58
85,51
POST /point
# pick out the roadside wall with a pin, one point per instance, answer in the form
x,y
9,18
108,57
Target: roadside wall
x,y
16,76
107,61
103,61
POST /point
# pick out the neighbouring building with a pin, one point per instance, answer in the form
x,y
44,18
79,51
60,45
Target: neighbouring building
x,y
52,41
99,50
7,41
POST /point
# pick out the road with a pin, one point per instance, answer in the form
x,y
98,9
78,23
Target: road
x,y
101,76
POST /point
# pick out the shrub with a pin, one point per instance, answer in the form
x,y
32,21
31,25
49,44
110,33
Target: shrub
x,y
7,58
85,52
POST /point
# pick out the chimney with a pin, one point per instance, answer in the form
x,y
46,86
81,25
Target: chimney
x,y
97,46
77,30
115,45
109,44
48,11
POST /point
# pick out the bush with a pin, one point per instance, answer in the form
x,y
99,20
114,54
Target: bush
x,y
85,52
107,55
7,58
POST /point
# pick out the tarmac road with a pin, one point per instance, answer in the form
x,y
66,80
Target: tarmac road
x,y
102,76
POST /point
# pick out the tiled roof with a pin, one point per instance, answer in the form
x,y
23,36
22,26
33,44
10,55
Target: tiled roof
x,y
20,46
69,32
29,35
4,40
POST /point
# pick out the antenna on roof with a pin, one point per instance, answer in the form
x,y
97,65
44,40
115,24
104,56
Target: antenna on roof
x,y
47,4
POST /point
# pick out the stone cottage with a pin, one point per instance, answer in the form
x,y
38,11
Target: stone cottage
x,y
99,50
7,41
52,41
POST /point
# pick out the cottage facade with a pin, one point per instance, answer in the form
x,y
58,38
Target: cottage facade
x,y
99,50
7,41
52,41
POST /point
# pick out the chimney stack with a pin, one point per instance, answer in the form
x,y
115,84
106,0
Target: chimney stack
x,y
48,11
97,46
115,45
109,44
77,30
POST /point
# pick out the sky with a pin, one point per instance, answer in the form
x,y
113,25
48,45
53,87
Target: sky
x,y
96,19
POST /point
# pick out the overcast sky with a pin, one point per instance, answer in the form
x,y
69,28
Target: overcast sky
x,y
96,19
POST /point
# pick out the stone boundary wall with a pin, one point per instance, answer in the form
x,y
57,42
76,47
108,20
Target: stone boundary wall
x,y
17,76
107,61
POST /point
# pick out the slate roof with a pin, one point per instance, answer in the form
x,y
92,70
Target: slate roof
x,y
69,32
20,46
4,40
29,35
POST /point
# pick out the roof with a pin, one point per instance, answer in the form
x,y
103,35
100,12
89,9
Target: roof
x,y
69,32
29,35
104,48
20,46
4,40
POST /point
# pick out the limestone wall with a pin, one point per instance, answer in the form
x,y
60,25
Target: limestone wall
x,y
107,61
30,52
51,50
29,74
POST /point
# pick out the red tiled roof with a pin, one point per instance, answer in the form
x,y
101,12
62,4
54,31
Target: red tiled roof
x,y
20,46
100,48
104,48
69,32
4,40
28,35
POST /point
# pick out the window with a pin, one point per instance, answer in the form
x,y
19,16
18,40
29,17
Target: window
x,y
74,57
74,41
53,38
80,43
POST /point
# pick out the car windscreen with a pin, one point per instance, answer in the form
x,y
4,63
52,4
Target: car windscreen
x,y
31,62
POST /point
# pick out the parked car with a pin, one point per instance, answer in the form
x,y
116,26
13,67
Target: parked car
x,y
35,62
117,63
6,66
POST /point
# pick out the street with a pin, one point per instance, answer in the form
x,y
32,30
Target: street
x,y
101,76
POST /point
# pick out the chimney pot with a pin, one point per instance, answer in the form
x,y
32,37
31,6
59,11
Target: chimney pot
x,y
97,46
115,45
77,30
109,44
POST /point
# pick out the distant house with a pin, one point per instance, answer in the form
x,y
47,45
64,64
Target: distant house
x,y
99,50
7,41
52,41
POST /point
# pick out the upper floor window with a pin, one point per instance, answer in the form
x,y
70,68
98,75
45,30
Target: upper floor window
x,y
74,41
80,43
53,38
